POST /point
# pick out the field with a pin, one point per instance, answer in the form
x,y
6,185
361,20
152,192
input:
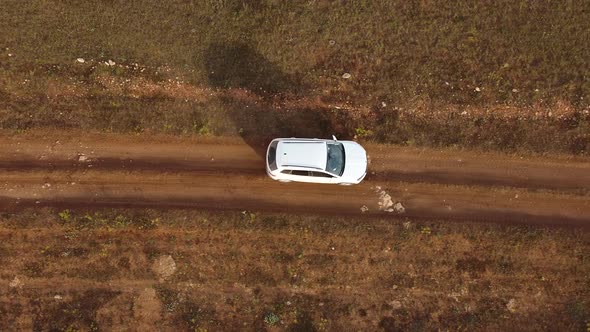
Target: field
x,y
133,194
512,75
188,270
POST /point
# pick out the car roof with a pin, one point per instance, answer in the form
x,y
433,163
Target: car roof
x,y
302,153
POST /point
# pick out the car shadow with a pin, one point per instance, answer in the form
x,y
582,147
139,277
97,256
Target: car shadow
x,y
269,103
237,65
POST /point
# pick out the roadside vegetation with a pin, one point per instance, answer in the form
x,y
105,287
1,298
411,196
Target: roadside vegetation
x,y
507,75
186,269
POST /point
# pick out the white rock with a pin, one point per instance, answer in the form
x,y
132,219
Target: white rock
x,y
364,209
81,60
477,89
346,75
395,304
58,297
164,266
111,63
511,305
385,201
15,283
399,208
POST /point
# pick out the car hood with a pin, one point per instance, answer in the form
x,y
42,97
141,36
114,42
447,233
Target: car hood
x,y
356,160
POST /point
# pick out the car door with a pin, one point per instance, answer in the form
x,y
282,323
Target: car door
x,y
302,176
323,177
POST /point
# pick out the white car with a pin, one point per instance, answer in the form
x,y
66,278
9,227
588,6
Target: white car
x,y
316,161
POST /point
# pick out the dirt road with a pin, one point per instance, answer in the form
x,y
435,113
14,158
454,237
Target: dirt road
x,y
161,172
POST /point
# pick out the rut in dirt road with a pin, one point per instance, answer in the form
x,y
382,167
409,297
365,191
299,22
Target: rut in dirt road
x,y
388,163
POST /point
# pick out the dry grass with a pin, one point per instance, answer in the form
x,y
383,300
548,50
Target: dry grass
x,y
239,269
226,67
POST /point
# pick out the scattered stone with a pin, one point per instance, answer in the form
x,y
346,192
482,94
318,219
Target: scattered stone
x,y
111,63
385,201
58,297
514,90
16,283
407,224
383,104
455,296
81,60
164,266
346,76
511,306
332,42
395,304
364,209
83,158
477,89
399,208
46,185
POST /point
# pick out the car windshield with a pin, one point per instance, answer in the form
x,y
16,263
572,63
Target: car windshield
x,y
335,164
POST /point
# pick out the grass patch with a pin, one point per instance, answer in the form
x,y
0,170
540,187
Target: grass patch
x,y
226,68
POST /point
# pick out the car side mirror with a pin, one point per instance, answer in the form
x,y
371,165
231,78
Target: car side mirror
x,y
334,137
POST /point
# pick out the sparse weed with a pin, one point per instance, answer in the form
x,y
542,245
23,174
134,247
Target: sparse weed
x,y
363,133
271,319
65,215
